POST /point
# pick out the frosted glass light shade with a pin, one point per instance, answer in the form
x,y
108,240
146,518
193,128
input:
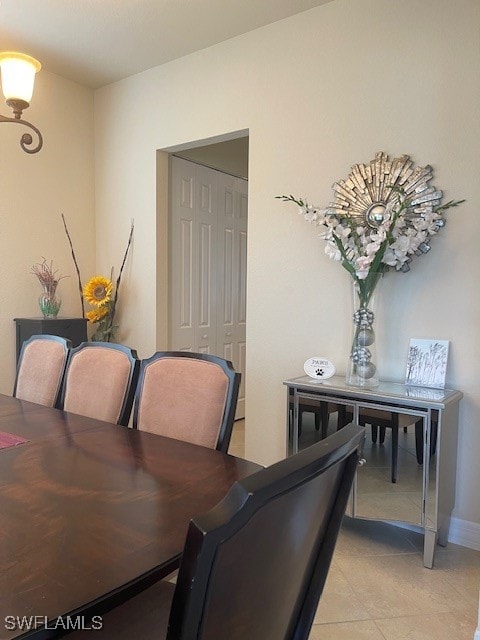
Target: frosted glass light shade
x,y
18,75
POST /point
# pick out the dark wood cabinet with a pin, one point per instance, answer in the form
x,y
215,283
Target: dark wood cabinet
x,y
75,329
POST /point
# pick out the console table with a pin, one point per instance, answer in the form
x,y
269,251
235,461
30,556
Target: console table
x,y
425,506
75,329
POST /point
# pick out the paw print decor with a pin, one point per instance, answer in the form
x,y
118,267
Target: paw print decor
x,y
319,368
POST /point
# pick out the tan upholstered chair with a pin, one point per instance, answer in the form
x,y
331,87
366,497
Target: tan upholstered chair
x,y
187,396
100,381
40,369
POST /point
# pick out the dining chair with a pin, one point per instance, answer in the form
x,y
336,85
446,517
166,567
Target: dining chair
x,y
187,396
321,410
380,420
100,381
404,420
40,369
305,405
255,566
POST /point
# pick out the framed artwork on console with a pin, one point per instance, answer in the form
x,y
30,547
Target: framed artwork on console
x,y
427,363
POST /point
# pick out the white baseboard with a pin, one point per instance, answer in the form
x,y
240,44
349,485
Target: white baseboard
x,y
462,532
466,534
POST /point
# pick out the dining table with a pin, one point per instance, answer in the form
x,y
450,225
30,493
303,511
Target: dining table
x,y
91,512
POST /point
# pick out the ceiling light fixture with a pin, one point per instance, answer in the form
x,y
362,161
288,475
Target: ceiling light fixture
x,y
18,78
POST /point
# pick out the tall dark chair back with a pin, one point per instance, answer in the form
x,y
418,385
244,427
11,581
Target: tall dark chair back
x,y
40,370
100,381
255,566
187,396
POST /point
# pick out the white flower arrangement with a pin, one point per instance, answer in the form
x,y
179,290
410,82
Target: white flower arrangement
x,y
384,214
367,252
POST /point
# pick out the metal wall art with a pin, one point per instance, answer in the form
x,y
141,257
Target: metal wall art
x,y
384,214
369,188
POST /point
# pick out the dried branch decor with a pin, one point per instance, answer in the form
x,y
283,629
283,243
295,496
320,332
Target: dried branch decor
x,y
101,294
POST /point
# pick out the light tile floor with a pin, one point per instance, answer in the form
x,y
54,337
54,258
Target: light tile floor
x,y
378,588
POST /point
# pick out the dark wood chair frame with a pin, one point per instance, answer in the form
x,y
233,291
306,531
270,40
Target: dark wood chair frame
x,y
203,565
65,342
131,354
233,376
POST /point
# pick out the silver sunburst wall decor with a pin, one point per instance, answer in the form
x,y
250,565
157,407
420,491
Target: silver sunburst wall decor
x,y
383,215
372,189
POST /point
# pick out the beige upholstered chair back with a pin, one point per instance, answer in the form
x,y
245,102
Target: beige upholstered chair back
x,y
187,398
99,380
40,369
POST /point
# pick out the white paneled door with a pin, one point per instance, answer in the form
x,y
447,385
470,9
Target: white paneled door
x,y
208,264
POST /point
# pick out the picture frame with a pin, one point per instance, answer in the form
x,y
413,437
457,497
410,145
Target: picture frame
x,y
427,363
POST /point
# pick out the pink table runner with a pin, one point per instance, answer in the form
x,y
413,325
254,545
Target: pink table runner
x,y
10,440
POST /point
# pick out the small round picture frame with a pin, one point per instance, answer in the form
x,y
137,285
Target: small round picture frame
x,y
319,368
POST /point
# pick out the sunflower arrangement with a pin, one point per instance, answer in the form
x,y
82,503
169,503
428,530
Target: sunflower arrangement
x,y
101,294
98,293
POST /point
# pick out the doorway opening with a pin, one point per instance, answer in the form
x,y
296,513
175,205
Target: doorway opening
x,y
205,262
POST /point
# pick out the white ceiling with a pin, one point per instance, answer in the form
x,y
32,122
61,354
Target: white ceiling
x,y
95,42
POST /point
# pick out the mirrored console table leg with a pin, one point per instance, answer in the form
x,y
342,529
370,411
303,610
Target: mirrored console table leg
x,y
477,632
443,536
429,545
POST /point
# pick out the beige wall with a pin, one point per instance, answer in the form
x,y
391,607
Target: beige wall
x,y
35,190
317,92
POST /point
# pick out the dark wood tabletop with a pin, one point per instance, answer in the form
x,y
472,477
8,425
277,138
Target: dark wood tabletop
x,y
89,511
